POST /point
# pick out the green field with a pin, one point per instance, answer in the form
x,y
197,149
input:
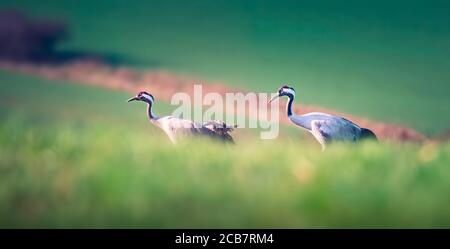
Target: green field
x,y
79,156
75,156
385,60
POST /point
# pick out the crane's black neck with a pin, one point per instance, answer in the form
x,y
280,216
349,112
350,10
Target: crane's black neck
x,y
289,104
150,113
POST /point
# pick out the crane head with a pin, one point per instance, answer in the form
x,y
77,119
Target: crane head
x,y
285,90
143,96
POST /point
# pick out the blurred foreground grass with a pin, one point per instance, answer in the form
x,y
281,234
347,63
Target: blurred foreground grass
x,y
108,176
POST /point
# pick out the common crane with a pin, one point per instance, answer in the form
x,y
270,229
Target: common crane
x,y
176,128
324,127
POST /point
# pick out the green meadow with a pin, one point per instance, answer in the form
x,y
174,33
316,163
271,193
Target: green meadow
x,y
79,156
76,156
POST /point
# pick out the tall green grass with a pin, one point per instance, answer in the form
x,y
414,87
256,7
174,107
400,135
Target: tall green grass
x,y
101,175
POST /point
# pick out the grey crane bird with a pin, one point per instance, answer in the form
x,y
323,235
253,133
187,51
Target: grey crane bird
x,y
176,128
324,127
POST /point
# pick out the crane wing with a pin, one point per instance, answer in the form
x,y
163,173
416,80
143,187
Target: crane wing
x,y
176,128
334,129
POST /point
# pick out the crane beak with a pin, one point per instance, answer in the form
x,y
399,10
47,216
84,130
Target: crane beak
x,y
273,98
133,99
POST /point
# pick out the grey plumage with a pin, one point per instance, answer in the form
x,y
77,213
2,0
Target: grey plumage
x,y
176,128
220,128
324,127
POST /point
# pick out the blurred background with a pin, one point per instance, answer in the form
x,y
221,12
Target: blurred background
x,y
75,154
385,60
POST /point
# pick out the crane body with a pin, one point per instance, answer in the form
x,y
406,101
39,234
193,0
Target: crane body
x,y
324,127
177,128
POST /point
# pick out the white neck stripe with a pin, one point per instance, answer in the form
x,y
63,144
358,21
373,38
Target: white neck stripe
x,y
148,97
288,90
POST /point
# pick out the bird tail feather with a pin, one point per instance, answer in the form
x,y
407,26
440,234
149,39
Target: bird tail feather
x,y
221,129
368,134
